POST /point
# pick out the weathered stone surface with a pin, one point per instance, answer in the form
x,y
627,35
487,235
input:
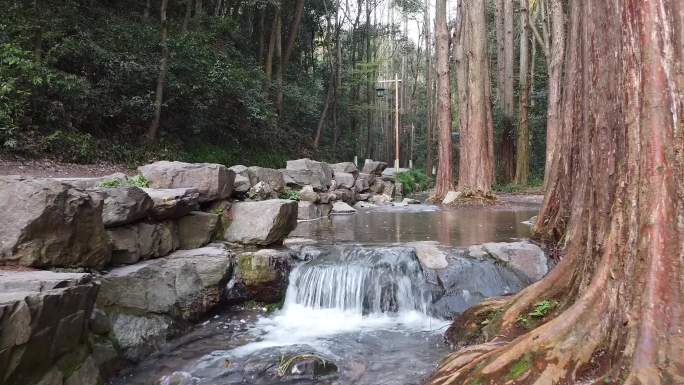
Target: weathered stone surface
x,y
362,183
309,211
48,223
392,172
342,208
308,194
241,184
430,254
172,203
378,186
86,374
344,180
326,197
344,195
99,323
139,241
261,223
146,302
364,205
262,191
388,189
213,181
261,276
380,199
272,177
346,167
451,197
410,201
373,167
196,229
361,197
123,205
526,258
88,183
43,318
305,171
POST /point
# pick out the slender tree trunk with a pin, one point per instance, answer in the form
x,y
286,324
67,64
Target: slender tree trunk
x,y
555,69
186,18
268,66
476,155
279,64
153,130
428,93
507,101
262,34
615,201
294,32
146,12
321,121
445,172
370,97
522,165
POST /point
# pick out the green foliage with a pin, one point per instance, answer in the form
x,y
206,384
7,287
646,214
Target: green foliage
x,y
290,194
114,183
520,367
138,181
412,179
540,310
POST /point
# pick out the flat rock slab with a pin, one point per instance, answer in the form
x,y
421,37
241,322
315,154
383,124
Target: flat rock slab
x,y
142,240
213,181
341,208
374,167
172,203
47,223
272,177
196,229
524,257
305,171
347,167
88,183
123,205
430,254
261,223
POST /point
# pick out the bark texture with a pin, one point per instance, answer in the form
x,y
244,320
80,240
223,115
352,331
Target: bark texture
x,y
153,130
554,61
505,82
616,202
522,157
428,91
476,156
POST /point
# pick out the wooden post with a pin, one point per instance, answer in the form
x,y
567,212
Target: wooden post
x,y
396,122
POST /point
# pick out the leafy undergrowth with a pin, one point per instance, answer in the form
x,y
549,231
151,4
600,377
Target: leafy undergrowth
x,y
413,180
539,311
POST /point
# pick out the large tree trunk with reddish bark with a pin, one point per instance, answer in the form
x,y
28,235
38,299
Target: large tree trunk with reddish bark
x,y
476,156
445,168
556,51
428,92
522,157
505,82
615,201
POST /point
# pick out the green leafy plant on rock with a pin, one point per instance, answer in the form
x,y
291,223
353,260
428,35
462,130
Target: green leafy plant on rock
x,y
292,195
538,312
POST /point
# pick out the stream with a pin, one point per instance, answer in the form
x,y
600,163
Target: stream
x,y
363,311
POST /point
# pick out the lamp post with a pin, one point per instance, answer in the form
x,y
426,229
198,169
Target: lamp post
x,y
396,82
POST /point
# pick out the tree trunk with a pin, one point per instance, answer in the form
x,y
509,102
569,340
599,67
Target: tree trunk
x,y
615,201
505,37
476,155
186,18
370,97
279,63
445,169
522,164
268,65
294,32
555,69
262,34
146,12
428,93
153,130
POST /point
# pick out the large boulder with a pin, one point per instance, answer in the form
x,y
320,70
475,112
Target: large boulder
x,y
308,194
213,181
344,194
348,167
373,167
340,208
272,177
344,180
241,184
118,178
302,172
523,257
309,211
260,276
363,182
261,223
392,172
172,203
47,223
261,192
197,229
152,301
123,205
44,326
139,241
377,186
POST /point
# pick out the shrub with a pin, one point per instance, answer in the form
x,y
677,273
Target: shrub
x,y
412,178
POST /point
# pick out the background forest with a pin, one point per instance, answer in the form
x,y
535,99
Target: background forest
x,y
243,81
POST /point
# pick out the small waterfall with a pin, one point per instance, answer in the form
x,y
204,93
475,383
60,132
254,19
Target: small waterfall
x,y
360,280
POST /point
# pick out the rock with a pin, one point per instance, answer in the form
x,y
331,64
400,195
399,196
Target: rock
x,y
179,378
342,208
261,192
364,205
43,318
392,172
380,199
99,323
197,229
378,186
47,223
451,197
213,181
261,276
296,243
131,243
241,184
308,194
345,195
345,180
308,211
273,178
361,197
261,223
308,172
373,167
430,255
345,167
89,183
410,201
362,184
123,205
525,258
388,188
326,197
86,374
105,355
148,302
172,203
308,366
240,170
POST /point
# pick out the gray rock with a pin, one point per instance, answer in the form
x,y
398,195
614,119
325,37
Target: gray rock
x,y
380,199
392,172
345,195
340,208
378,186
213,181
172,203
388,188
47,223
410,201
273,178
43,317
123,205
106,356
364,205
346,167
524,257
262,191
305,171
326,197
362,197
140,335
309,211
308,194
451,197
362,183
373,167
240,170
196,229
345,180
99,323
296,243
241,184
139,241
86,374
88,183
261,276
430,255
261,223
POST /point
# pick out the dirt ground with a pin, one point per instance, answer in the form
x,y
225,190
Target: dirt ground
x,y
52,169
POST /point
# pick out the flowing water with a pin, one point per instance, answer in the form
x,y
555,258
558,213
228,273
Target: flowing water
x,y
364,303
